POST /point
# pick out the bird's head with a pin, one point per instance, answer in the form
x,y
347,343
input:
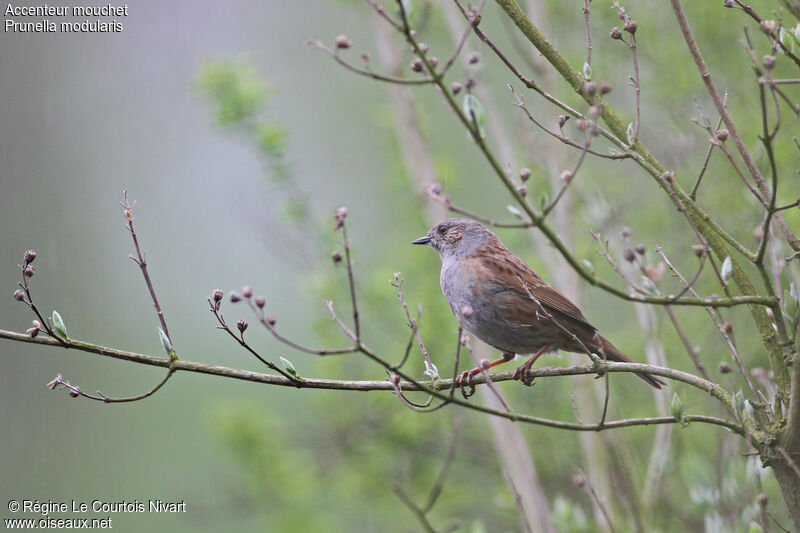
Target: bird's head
x,y
456,237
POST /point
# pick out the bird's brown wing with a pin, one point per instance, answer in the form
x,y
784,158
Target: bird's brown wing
x,y
514,283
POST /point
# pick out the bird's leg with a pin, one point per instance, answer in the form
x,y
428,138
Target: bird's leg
x,y
522,373
466,377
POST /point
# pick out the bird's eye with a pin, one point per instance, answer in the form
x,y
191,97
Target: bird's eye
x,y
442,230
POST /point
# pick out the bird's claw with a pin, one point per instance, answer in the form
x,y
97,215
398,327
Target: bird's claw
x,y
523,374
460,381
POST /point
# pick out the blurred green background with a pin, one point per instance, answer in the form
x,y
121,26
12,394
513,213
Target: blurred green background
x,y
221,205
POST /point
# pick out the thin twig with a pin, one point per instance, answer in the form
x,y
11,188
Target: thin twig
x,y
369,74
693,193
597,500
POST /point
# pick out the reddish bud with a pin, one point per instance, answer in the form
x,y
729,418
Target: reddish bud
x,y
28,271
217,295
466,311
56,382
522,190
768,61
234,297
721,135
343,42
590,88
631,26
656,273
242,325
524,174
434,188
433,60
260,302
582,124
698,249
728,328
625,233
30,255
628,254
605,88
469,81
19,295
763,499
271,320
336,256
724,368
640,249
416,65
615,33
456,87
423,48
247,291
473,57
339,216
579,480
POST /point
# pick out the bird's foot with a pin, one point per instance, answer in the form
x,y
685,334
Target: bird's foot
x,y
523,373
465,380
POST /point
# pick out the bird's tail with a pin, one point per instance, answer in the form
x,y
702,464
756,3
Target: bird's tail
x,y
613,354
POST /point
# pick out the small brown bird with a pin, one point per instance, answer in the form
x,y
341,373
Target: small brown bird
x,y
503,302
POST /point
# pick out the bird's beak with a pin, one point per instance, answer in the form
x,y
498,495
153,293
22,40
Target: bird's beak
x,y
422,240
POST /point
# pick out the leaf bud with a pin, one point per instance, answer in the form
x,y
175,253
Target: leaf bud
x,y
342,42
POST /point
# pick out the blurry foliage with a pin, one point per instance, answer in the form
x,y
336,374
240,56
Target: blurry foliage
x,y
327,461
238,97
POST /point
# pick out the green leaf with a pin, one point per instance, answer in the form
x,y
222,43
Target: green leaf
x,y
408,8
544,200
473,109
630,133
165,343
58,325
676,407
788,40
515,211
588,265
587,71
727,269
648,285
431,371
288,367
738,404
